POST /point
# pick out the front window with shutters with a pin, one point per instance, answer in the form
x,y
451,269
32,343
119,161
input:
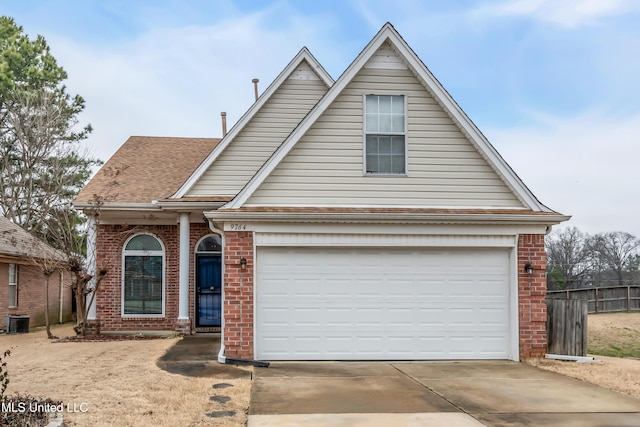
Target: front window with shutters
x,y
385,138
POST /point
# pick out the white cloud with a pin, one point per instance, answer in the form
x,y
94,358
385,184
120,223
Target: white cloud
x,y
566,13
582,166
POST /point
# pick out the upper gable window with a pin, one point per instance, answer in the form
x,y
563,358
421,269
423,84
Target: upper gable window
x,y
385,142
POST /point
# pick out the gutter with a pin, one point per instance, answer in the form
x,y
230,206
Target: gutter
x,y
117,206
185,205
497,218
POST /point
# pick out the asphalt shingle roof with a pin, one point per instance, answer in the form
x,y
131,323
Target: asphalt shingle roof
x,y
16,242
147,168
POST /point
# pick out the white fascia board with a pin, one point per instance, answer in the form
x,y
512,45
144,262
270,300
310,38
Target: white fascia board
x,y
188,206
303,55
389,33
117,206
443,218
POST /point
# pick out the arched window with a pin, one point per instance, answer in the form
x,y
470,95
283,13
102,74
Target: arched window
x,y
143,281
211,243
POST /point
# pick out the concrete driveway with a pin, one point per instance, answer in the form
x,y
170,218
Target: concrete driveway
x,y
478,393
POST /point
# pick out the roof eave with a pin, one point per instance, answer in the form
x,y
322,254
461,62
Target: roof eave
x,y
187,205
440,218
116,206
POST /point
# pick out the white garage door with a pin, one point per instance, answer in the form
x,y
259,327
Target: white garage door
x,y
375,304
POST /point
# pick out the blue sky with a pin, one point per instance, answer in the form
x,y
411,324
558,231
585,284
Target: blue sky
x,y
553,84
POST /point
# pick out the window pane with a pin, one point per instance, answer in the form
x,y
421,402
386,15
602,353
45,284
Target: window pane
x,y
144,242
13,295
397,104
372,123
397,164
372,163
384,145
142,284
372,144
13,273
397,145
397,123
384,163
384,103
372,104
210,244
385,123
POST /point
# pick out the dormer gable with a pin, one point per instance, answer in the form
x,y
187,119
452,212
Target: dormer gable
x,y
261,130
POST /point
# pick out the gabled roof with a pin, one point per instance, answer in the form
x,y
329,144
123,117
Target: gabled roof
x,y
146,168
16,242
390,35
302,56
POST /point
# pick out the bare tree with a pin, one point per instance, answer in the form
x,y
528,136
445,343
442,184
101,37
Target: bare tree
x,y
616,251
42,171
49,261
568,260
42,166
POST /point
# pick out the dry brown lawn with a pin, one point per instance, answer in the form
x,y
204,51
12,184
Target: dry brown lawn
x,y
118,382
610,330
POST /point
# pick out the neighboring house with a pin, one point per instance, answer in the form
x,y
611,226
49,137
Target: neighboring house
x,y
22,282
366,218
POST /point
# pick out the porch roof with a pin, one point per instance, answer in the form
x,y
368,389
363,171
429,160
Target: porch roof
x,y
146,168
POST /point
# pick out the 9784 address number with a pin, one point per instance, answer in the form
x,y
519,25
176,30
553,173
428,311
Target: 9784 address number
x,y
238,227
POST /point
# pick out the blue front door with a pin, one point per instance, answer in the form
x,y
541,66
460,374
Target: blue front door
x,y
208,290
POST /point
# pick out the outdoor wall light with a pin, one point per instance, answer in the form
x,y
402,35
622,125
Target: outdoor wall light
x,y
243,263
528,268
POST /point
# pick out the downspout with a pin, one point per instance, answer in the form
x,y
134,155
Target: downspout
x,y
214,227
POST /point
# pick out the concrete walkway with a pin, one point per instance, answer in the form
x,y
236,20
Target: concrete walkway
x,y
478,393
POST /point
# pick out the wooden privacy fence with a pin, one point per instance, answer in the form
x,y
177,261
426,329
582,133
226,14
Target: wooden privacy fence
x,y
567,327
603,300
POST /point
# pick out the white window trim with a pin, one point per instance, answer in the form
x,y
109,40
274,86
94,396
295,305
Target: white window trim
x,y
164,275
405,133
13,284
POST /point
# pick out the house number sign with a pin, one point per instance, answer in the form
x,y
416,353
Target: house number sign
x,y
238,227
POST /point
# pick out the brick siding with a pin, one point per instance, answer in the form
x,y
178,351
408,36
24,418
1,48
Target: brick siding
x,y
238,295
110,243
31,300
532,289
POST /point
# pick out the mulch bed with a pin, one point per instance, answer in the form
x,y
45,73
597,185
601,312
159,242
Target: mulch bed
x,y
107,338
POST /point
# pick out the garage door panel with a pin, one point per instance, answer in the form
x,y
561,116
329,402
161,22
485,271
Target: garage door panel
x,y
319,303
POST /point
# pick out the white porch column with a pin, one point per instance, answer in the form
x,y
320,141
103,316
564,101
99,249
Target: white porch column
x,y
91,261
183,309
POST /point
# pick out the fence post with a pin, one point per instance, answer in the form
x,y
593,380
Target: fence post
x,y
628,299
596,300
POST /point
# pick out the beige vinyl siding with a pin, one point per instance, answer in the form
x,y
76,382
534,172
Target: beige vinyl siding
x,y
326,165
261,136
